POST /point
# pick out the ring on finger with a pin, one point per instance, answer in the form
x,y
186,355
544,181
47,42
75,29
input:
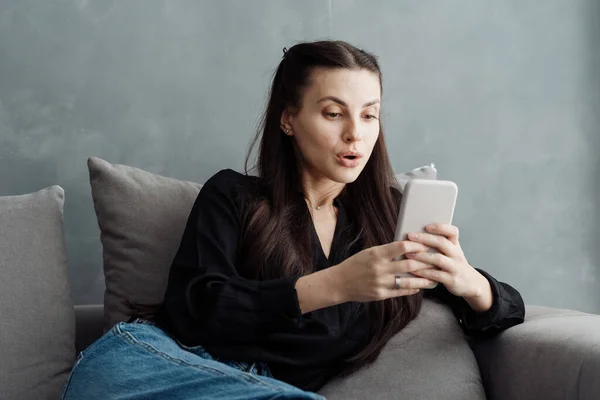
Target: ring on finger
x,y
397,282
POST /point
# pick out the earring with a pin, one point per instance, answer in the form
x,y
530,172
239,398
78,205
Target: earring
x,y
287,131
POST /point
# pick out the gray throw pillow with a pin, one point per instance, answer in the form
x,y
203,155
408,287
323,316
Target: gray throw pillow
x,y
37,322
141,216
429,359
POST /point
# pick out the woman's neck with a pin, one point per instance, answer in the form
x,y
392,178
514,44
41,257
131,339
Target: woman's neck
x,y
320,192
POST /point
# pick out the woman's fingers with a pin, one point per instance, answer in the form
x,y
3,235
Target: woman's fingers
x,y
399,248
449,231
436,275
435,259
415,283
408,266
437,241
408,286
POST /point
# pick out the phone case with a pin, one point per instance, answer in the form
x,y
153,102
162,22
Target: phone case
x,y
425,202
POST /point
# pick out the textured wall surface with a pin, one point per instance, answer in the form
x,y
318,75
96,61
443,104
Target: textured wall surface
x,y
503,97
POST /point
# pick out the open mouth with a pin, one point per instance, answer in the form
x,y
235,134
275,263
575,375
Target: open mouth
x,y
349,160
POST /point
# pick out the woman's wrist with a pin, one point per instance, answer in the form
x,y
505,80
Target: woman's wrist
x,y
483,300
335,284
319,290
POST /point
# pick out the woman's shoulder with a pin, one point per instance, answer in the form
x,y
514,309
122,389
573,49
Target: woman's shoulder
x,y
229,177
232,184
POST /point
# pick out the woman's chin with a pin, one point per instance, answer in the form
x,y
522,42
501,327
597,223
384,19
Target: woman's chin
x,y
346,175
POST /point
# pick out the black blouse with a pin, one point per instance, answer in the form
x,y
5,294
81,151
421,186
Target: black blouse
x,y
208,303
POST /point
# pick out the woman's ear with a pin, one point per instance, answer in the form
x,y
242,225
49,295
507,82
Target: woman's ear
x,y
286,122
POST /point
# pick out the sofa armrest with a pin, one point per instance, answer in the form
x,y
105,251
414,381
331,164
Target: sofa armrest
x,y
89,325
554,354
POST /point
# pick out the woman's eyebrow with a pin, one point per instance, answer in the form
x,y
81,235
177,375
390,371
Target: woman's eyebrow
x,y
343,103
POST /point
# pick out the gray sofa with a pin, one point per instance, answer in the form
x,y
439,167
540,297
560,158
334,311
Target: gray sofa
x,y
555,354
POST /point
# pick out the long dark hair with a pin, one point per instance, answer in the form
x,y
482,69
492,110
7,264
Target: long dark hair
x,y
268,239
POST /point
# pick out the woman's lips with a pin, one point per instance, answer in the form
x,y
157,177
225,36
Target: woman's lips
x,y
349,162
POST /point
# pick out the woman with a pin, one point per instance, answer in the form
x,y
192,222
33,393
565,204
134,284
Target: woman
x,y
285,280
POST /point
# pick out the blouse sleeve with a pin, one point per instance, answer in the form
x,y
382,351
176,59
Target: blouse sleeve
x,y
207,301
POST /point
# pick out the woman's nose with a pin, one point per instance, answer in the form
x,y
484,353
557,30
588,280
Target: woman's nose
x,y
352,132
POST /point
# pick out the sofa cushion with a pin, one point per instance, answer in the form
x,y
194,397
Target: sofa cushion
x,y
37,328
142,216
429,359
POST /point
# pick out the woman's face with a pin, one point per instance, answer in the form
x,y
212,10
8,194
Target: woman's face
x,y
337,124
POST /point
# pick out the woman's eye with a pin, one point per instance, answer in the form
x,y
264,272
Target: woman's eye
x,y
370,116
333,114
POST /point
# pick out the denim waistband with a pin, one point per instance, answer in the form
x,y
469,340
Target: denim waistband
x,y
136,320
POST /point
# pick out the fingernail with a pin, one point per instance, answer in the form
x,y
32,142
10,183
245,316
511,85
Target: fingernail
x,y
430,227
410,254
413,235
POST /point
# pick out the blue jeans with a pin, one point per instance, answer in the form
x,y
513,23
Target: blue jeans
x,y
138,360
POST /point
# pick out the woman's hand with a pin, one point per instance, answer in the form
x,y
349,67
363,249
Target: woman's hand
x,y
370,275
454,272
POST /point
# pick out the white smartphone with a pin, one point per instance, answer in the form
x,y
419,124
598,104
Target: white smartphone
x,y
425,202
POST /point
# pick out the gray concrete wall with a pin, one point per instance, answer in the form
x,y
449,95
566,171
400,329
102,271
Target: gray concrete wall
x,y
504,97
